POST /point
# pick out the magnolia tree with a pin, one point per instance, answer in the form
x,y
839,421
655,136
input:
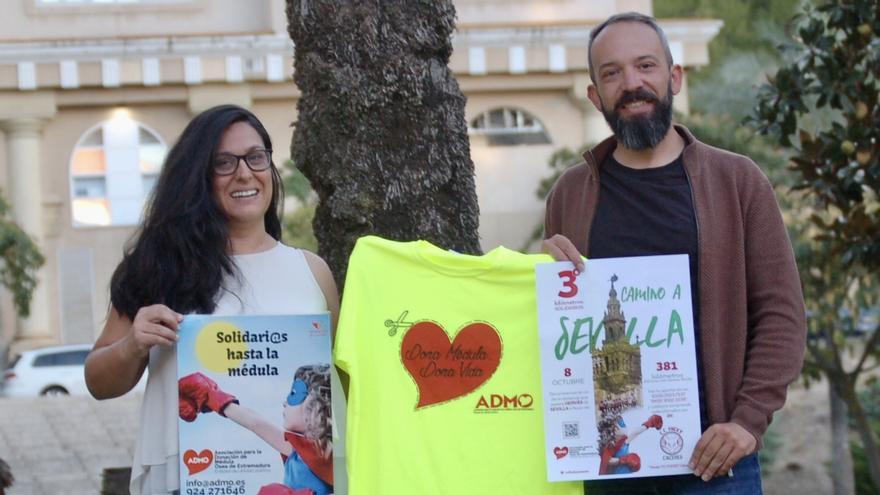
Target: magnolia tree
x,y
824,106
836,67
19,261
381,133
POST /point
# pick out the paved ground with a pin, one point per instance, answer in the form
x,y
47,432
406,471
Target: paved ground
x,y
802,460
62,445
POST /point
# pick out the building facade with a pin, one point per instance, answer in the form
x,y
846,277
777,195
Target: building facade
x,y
93,92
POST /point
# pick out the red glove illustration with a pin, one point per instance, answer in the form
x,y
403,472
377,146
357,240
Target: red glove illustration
x,y
279,489
192,391
654,421
187,409
633,461
198,393
218,399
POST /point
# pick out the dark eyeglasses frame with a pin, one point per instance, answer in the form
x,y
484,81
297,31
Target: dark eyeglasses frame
x,y
239,158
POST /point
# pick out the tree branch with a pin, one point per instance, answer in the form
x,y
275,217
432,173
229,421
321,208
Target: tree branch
x,y
870,348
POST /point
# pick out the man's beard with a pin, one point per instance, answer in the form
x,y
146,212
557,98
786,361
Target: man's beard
x,y
641,132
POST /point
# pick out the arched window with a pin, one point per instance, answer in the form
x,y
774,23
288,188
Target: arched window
x,y
509,126
113,168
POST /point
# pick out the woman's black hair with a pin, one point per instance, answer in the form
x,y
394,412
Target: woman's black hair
x,y
180,254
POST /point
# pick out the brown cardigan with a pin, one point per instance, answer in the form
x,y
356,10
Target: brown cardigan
x,y
752,317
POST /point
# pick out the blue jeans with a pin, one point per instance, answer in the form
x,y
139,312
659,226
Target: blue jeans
x,y
746,480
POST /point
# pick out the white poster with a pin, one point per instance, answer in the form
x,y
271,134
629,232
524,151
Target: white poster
x,y
618,368
254,405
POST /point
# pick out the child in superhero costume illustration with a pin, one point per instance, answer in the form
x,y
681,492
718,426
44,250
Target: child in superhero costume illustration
x,y
305,442
615,457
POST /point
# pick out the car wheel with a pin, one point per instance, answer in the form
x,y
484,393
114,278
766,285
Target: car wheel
x,y
54,391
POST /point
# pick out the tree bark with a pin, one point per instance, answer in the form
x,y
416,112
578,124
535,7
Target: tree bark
x,y
842,474
381,133
866,434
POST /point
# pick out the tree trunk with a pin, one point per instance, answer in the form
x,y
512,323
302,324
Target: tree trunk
x,y
866,434
842,474
381,133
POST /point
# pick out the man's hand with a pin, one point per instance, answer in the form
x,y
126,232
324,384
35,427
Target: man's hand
x,y
720,447
561,249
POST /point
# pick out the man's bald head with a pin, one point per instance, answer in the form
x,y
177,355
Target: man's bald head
x,y
627,17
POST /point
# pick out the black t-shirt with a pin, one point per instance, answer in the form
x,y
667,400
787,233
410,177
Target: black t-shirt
x,y
643,212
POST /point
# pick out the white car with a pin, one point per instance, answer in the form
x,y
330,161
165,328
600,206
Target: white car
x,y
50,371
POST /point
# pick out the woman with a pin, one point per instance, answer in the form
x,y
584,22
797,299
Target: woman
x,y
6,478
209,244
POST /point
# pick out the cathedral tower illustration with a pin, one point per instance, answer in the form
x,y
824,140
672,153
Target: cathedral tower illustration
x,y
617,365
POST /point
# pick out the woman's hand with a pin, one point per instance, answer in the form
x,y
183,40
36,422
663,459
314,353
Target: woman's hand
x,y
154,325
120,355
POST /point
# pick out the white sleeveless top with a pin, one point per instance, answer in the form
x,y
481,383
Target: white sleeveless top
x,y
277,281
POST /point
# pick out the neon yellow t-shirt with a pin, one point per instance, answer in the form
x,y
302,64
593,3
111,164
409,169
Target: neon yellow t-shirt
x,y
442,352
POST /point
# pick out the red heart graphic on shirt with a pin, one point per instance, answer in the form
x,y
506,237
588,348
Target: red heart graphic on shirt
x,y
197,463
444,370
560,452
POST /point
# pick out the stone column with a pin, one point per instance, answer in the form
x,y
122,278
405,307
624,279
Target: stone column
x,y
22,122
23,142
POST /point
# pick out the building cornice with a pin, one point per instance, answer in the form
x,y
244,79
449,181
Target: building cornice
x,y
234,59
684,30
92,50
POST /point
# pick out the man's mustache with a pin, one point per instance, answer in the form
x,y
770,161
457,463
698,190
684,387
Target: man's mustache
x,y
637,95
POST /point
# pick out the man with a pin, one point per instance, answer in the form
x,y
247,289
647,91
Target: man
x,y
653,189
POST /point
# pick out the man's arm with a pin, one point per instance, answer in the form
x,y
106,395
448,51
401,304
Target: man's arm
x,y
776,335
555,243
777,317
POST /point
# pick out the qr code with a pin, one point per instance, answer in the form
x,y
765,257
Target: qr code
x,y
571,429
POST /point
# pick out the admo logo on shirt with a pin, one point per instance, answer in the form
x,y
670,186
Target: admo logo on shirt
x,y
501,402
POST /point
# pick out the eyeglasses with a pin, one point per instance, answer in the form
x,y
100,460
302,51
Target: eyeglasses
x,y
256,160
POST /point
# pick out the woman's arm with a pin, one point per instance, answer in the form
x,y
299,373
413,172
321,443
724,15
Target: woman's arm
x,y
324,277
120,354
